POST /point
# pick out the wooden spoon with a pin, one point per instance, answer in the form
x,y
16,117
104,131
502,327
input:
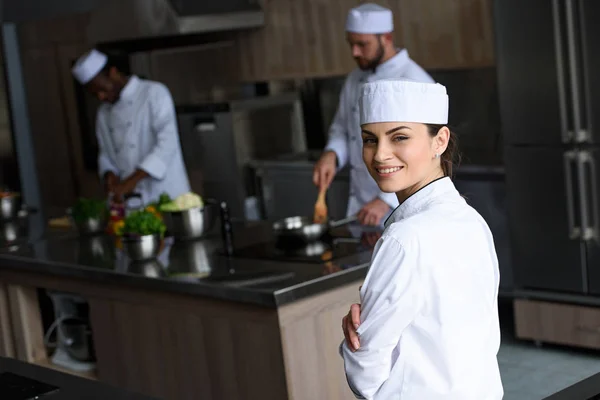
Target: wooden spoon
x,y
320,207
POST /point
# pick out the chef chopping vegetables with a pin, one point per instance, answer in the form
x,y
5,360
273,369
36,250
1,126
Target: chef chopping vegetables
x,y
136,127
369,30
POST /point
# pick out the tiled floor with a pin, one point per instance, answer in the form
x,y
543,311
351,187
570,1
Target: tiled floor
x,y
532,373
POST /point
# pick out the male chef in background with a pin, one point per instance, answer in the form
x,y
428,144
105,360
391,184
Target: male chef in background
x,y
136,127
369,30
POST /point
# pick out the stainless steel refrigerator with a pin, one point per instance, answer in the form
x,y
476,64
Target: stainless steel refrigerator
x,y
548,61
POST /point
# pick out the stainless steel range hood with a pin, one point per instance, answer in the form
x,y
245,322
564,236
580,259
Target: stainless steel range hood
x,y
116,20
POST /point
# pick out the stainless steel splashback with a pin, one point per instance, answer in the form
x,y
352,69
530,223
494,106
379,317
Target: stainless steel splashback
x,y
219,142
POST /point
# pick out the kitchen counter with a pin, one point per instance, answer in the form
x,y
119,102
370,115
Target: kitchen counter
x,y
192,267
587,389
195,323
63,386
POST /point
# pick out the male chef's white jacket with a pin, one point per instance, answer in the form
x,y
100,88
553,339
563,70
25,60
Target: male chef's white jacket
x,y
429,320
345,134
140,132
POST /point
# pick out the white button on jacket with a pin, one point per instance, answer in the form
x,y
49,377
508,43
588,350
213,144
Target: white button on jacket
x,y
345,134
429,321
140,131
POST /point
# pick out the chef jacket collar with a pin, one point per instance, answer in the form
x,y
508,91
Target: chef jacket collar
x,y
421,198
401,58
130,88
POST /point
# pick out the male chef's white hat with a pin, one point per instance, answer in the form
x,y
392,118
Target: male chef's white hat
x,y
403,101
89,65
370,18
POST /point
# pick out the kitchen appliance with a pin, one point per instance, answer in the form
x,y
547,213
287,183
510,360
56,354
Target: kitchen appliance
x,y
548,63
219,141
329,248
74,343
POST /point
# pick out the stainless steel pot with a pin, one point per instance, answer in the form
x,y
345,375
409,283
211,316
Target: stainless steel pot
x,y
305,229
10,206
91,226
192,223
142,248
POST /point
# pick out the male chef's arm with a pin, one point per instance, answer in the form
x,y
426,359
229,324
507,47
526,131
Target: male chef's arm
x,y
391,297
164,126
338,136
106,167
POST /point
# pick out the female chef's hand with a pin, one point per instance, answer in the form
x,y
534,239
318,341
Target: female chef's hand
x,y
350,324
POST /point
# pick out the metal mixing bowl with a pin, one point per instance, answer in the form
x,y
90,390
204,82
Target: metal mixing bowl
x,y
10,206
142,248
190,224
91,226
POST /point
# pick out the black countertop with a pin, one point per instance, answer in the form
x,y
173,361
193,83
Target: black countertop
x,y
194,267
587,389
58,385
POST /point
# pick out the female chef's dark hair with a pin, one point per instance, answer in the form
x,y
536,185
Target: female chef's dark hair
x,y
450,157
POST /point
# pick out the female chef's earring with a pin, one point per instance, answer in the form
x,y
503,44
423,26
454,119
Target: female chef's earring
x,y
437,155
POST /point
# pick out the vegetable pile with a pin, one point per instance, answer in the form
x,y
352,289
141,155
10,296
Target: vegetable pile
x,y
85,209
183,202
141,223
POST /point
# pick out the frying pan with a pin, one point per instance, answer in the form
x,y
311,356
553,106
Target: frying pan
x,y
305,229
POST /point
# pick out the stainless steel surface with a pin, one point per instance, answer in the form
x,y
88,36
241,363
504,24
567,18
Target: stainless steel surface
x,y
13,230
305,229
589,195
90,226
544,257
116,20
219,146
542,114
10,206
193,223
77,339
580,133
142,248
574,230
20,121
566,131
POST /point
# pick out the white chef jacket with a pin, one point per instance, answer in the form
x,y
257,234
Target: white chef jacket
x,y
429,320
140,131
345,134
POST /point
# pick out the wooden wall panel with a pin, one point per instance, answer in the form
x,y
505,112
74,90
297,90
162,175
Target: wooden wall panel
x,y
48,128
305,38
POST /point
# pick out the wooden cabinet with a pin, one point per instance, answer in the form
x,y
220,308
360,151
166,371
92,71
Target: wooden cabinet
x,y
565,324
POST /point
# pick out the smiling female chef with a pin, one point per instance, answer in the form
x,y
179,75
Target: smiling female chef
x,y
136,129
428,327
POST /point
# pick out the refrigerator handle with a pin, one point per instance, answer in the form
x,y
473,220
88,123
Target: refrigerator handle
x,y
589,228
568,158
581,134
567,131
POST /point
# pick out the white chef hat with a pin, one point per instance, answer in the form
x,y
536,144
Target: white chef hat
x,y
89,65
370,18
403,101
